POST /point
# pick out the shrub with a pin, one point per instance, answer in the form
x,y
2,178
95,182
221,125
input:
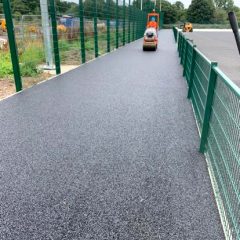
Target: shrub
x,y
29,69
5,65
34,51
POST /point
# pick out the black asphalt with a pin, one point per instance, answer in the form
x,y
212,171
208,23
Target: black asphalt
x,y
106,151
220,47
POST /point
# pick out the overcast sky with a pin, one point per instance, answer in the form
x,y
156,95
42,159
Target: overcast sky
x,y
186,2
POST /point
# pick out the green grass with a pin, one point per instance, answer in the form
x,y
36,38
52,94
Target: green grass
x,y
5,65
31,55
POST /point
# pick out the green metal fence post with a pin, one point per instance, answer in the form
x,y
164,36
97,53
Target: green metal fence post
x,y
95,29
108,26
138,24
12,45
161,20
55,36
208,107
182,46
82,32
193,62
133,23
184,41
185,58
129,21
124,22
117,23
179,43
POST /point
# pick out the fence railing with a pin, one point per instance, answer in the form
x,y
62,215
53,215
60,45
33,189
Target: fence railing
x,y
68,33
216,103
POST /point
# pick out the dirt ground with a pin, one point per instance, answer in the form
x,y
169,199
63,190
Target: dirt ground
x,y
7,86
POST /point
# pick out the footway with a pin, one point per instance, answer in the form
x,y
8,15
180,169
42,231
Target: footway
x,y
106,151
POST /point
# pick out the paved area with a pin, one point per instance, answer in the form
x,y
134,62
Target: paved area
x,y
220,46
106,151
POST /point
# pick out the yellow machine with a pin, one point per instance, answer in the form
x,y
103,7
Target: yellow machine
x,y
187,27
3,25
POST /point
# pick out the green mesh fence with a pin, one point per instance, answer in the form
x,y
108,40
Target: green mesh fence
x,y
216,103
55,36
223,148
175,32
188,61
199,85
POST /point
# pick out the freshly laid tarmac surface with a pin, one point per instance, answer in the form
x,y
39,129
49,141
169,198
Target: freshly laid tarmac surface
x,y
106,151
220,46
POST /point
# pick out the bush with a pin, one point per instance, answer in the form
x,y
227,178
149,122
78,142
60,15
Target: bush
x,y
29,69
5,65
34,51
220,16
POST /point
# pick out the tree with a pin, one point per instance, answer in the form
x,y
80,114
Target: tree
x,y
181,11
1,7
170,12
19,7
220,16
89,8
224,4
201,11
179,5
147,5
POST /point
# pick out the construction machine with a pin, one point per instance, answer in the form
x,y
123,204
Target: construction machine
x,y
187,27
3,25
153,20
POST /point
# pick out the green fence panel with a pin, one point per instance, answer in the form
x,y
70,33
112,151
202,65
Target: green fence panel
x,y
223,149
188,61
179,43
133,23
208,107
200,85
191,75
95,29
175,33
129,21
12,45
108,10
124,23
82,33
55,36
117,24
90,32
183,50
216,103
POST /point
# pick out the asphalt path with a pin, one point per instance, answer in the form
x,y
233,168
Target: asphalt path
x,y
106,151
220,46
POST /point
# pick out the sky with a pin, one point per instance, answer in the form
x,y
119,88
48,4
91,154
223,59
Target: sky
x,y
186,2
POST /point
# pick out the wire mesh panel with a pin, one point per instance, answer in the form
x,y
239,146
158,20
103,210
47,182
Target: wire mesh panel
x,y
180,37
199,89
175,33
188,60
223,137
28,29
183,50
223,148
54,36
7,86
